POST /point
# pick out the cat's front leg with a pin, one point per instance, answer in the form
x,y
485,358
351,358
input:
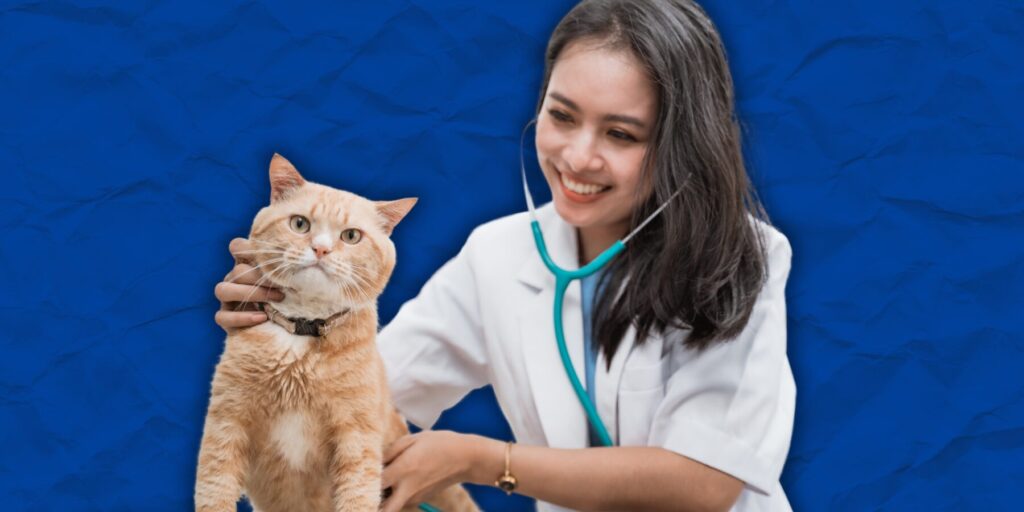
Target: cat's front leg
x,y
356,470
222,462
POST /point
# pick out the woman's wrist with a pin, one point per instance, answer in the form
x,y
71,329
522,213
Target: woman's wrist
x,y
486,459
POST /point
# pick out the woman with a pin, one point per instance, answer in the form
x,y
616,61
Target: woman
x,y
686,361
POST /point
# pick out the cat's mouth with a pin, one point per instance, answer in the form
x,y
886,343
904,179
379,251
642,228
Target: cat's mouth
x,y
316,266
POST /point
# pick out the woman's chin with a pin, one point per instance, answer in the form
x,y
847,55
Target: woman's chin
x,y
579,216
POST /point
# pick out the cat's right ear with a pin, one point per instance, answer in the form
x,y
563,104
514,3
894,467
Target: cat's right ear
x,y
284,178
392,212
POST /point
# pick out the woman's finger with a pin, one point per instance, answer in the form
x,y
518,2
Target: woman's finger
x,y
241,249
397,447
238,319
388,477
234,292
244,274
239,244
396,501
239,306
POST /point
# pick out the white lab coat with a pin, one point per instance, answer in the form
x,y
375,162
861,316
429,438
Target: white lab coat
x,y
485,317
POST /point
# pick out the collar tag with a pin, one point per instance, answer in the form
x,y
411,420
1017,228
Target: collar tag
x,y
306,327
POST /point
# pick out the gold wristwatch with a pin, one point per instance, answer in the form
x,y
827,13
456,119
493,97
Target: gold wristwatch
x,y
506,481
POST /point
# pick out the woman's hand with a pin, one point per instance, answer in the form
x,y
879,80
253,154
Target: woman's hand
x,y
417,465
238,295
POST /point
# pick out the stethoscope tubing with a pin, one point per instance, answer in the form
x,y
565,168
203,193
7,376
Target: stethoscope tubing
x,y
563,278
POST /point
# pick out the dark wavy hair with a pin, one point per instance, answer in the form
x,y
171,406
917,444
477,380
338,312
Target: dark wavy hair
x,y
700,264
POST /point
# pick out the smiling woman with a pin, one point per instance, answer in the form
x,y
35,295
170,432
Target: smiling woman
x,y
681,339
592,136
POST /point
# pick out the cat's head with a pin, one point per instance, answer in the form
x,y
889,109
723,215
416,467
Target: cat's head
x,y
327,248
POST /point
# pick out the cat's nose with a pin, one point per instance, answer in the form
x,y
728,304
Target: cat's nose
x,y
321,251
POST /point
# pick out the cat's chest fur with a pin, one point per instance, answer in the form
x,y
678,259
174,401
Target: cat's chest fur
x,y
290,384
287,369
284,383
285,347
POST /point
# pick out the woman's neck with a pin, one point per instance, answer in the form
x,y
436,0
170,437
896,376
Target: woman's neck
x,y
593,240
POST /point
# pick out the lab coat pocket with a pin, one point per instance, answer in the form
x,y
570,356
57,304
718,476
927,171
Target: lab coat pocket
x,y
641,390
636,414
644,378
646,367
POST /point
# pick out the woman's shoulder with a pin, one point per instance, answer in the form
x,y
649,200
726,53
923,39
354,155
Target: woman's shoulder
x,y
502,227
776,244
511,233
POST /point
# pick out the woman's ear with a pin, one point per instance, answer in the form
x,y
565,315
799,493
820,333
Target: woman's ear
x,y
283,178
391,212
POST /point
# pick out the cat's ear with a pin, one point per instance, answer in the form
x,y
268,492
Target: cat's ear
x,y
394,211
283,178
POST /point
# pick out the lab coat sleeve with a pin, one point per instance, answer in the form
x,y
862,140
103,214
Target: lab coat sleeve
x,y
732,406
433,350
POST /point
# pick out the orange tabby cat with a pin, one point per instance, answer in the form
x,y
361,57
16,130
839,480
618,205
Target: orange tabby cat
x,y
298,422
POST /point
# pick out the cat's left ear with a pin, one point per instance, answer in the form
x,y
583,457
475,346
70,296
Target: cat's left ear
x,y
394,211
284,177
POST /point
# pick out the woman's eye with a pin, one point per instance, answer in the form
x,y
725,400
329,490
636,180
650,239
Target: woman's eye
x,y
299,224
351,236
560,116
618,134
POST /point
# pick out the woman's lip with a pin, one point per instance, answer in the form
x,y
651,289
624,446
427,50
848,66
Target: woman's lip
x,y
578,198
577,180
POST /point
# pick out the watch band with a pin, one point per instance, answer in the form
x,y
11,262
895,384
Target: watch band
x,y
506,481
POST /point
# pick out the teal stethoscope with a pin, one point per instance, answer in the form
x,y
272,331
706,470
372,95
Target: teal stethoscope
x,y
563,278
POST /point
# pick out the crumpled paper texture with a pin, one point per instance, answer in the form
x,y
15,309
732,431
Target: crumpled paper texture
x,y
885,139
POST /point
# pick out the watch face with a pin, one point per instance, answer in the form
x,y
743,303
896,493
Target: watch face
x,y
507,483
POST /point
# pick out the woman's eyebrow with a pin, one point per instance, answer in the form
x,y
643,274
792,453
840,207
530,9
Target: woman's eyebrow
x,y
609,117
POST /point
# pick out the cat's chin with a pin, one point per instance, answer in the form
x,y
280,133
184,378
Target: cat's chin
x,y
316,307
311,293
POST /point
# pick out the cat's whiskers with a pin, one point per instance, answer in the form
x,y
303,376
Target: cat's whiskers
x,y
257,267
336,275
333,272
341,272
260,251
337,270
288,285
362,282
266,243
265,246
259,283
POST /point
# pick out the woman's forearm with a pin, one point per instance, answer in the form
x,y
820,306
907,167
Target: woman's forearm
x,y
619,478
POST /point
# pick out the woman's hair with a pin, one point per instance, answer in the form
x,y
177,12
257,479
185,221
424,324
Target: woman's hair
x,y
701,262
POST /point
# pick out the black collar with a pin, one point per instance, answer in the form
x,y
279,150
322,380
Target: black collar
x,y
304,326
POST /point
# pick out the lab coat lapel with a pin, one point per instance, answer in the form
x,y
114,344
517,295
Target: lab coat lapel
x,y
561,415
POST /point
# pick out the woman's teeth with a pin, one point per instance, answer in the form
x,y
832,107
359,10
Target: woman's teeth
x,y
581,188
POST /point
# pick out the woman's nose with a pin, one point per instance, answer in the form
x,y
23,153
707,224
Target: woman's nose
x,y
580,153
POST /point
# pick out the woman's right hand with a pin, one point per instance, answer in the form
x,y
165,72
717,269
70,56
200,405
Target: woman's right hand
x,y
238,295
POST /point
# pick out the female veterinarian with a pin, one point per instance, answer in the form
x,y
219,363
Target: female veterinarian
x,y
685,364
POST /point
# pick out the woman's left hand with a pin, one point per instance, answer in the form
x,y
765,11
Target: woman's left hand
x,y
416,465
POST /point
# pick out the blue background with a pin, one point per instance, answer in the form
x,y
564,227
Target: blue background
x,y
885,139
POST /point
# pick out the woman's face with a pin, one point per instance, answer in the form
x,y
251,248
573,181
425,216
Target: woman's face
x,y
592,134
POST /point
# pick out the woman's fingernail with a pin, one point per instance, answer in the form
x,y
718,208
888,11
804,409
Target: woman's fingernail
x,y
276,296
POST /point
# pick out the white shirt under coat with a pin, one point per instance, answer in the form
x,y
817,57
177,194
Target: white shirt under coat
x,y
486,317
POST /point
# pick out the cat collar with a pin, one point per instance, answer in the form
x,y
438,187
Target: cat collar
x,y
304,326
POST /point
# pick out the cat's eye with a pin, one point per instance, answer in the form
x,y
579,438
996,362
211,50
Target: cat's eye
x,y
351,236
299,224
